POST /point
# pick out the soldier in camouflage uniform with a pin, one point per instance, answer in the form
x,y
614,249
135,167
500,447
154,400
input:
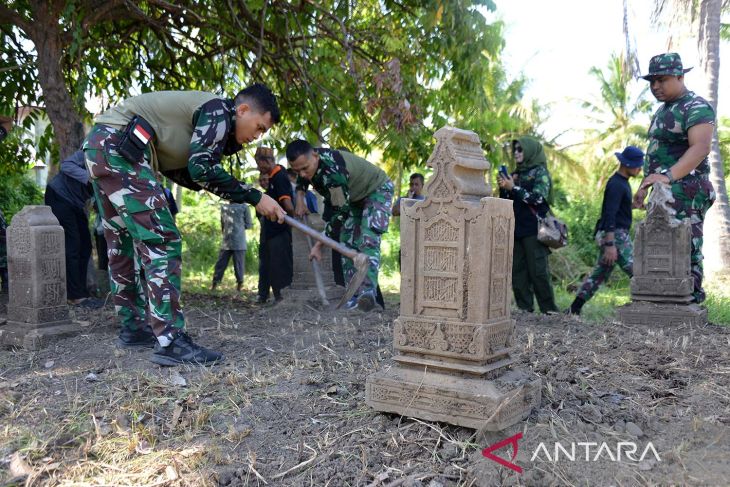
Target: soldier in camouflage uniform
x,y
612,235
680,138
183,134
360,195
530,187
3,254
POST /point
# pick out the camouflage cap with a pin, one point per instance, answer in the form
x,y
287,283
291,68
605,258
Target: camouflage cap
x,y
264,152
665,64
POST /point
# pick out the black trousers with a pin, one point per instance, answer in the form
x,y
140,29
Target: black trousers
x,y
101,252
77,238
276,263
531,275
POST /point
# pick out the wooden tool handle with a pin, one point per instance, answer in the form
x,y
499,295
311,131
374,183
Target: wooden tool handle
x,y
342,249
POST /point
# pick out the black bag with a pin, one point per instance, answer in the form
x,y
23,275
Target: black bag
x,y
135,138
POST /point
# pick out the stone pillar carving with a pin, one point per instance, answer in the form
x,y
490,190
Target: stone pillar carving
x,y
453,336
304,286
661,289
37,309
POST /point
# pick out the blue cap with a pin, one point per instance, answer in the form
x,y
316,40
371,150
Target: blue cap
x,y
631,157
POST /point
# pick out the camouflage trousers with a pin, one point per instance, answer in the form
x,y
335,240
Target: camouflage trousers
x,y
362,230
693,196
602,271
140,233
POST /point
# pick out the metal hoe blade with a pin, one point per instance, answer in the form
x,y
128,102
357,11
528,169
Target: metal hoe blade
x,y
361,262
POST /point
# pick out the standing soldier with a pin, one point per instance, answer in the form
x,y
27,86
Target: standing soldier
x,y
183,134
612,230
360,195
680,138
235,220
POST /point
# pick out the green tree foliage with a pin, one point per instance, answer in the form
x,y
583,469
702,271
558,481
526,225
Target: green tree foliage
x,y
367,74
617,115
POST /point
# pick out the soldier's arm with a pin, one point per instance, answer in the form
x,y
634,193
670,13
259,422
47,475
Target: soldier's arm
x,y
700,143
211,130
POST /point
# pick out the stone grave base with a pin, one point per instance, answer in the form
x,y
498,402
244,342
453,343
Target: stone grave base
x,y
35,337
661,314
454,398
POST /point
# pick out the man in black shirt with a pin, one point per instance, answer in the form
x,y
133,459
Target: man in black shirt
x,y
612,230
67,194
276,260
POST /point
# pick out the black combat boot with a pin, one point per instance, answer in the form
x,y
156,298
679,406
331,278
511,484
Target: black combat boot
x,y
182,350
576,306
138,338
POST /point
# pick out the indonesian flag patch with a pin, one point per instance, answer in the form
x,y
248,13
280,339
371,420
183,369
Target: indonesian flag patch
x,y
141,134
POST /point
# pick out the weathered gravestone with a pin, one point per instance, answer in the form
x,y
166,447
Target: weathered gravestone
x,y
453,336
661,289
304,284
37,309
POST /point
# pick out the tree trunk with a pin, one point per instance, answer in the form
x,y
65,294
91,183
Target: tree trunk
x,y
68,128
717,223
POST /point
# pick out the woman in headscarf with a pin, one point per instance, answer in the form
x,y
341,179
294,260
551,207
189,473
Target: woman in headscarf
x,y
530,187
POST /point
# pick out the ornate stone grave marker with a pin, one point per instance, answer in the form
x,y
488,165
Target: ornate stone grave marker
x,y
453,336
37,309
661,289
304,285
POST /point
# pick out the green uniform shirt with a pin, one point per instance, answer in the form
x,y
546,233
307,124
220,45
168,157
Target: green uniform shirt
x,y
668,139
193,130
343,179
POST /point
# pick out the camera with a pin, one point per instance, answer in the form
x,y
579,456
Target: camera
x,y
503,171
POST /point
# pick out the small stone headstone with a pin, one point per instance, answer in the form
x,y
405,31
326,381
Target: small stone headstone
x,y
661,289
304,284
37,309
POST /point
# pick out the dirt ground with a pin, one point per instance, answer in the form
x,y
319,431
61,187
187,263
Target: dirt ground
x,y
287,407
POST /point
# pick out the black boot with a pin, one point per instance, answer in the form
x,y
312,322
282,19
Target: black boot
x,y
138,338
182,350
576,306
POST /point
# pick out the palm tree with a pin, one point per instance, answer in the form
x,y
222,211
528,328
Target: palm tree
x,y
614,114
704,16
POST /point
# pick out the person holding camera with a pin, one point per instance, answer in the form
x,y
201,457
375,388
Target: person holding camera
x,y
184,135
530,187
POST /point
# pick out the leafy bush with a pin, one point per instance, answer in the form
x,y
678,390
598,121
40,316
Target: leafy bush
x,y
16,191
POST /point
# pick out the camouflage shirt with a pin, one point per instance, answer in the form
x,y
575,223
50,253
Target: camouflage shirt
x,y
214,128
668,139
331,181
530,195
235,220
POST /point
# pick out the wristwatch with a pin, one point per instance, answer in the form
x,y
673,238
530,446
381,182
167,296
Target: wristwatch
x,y
668,173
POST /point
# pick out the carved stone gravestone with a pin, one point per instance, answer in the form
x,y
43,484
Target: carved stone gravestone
x,y
453,336
37,309
661,289
304,285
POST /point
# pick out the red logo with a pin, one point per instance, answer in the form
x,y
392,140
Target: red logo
x,y
512,440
